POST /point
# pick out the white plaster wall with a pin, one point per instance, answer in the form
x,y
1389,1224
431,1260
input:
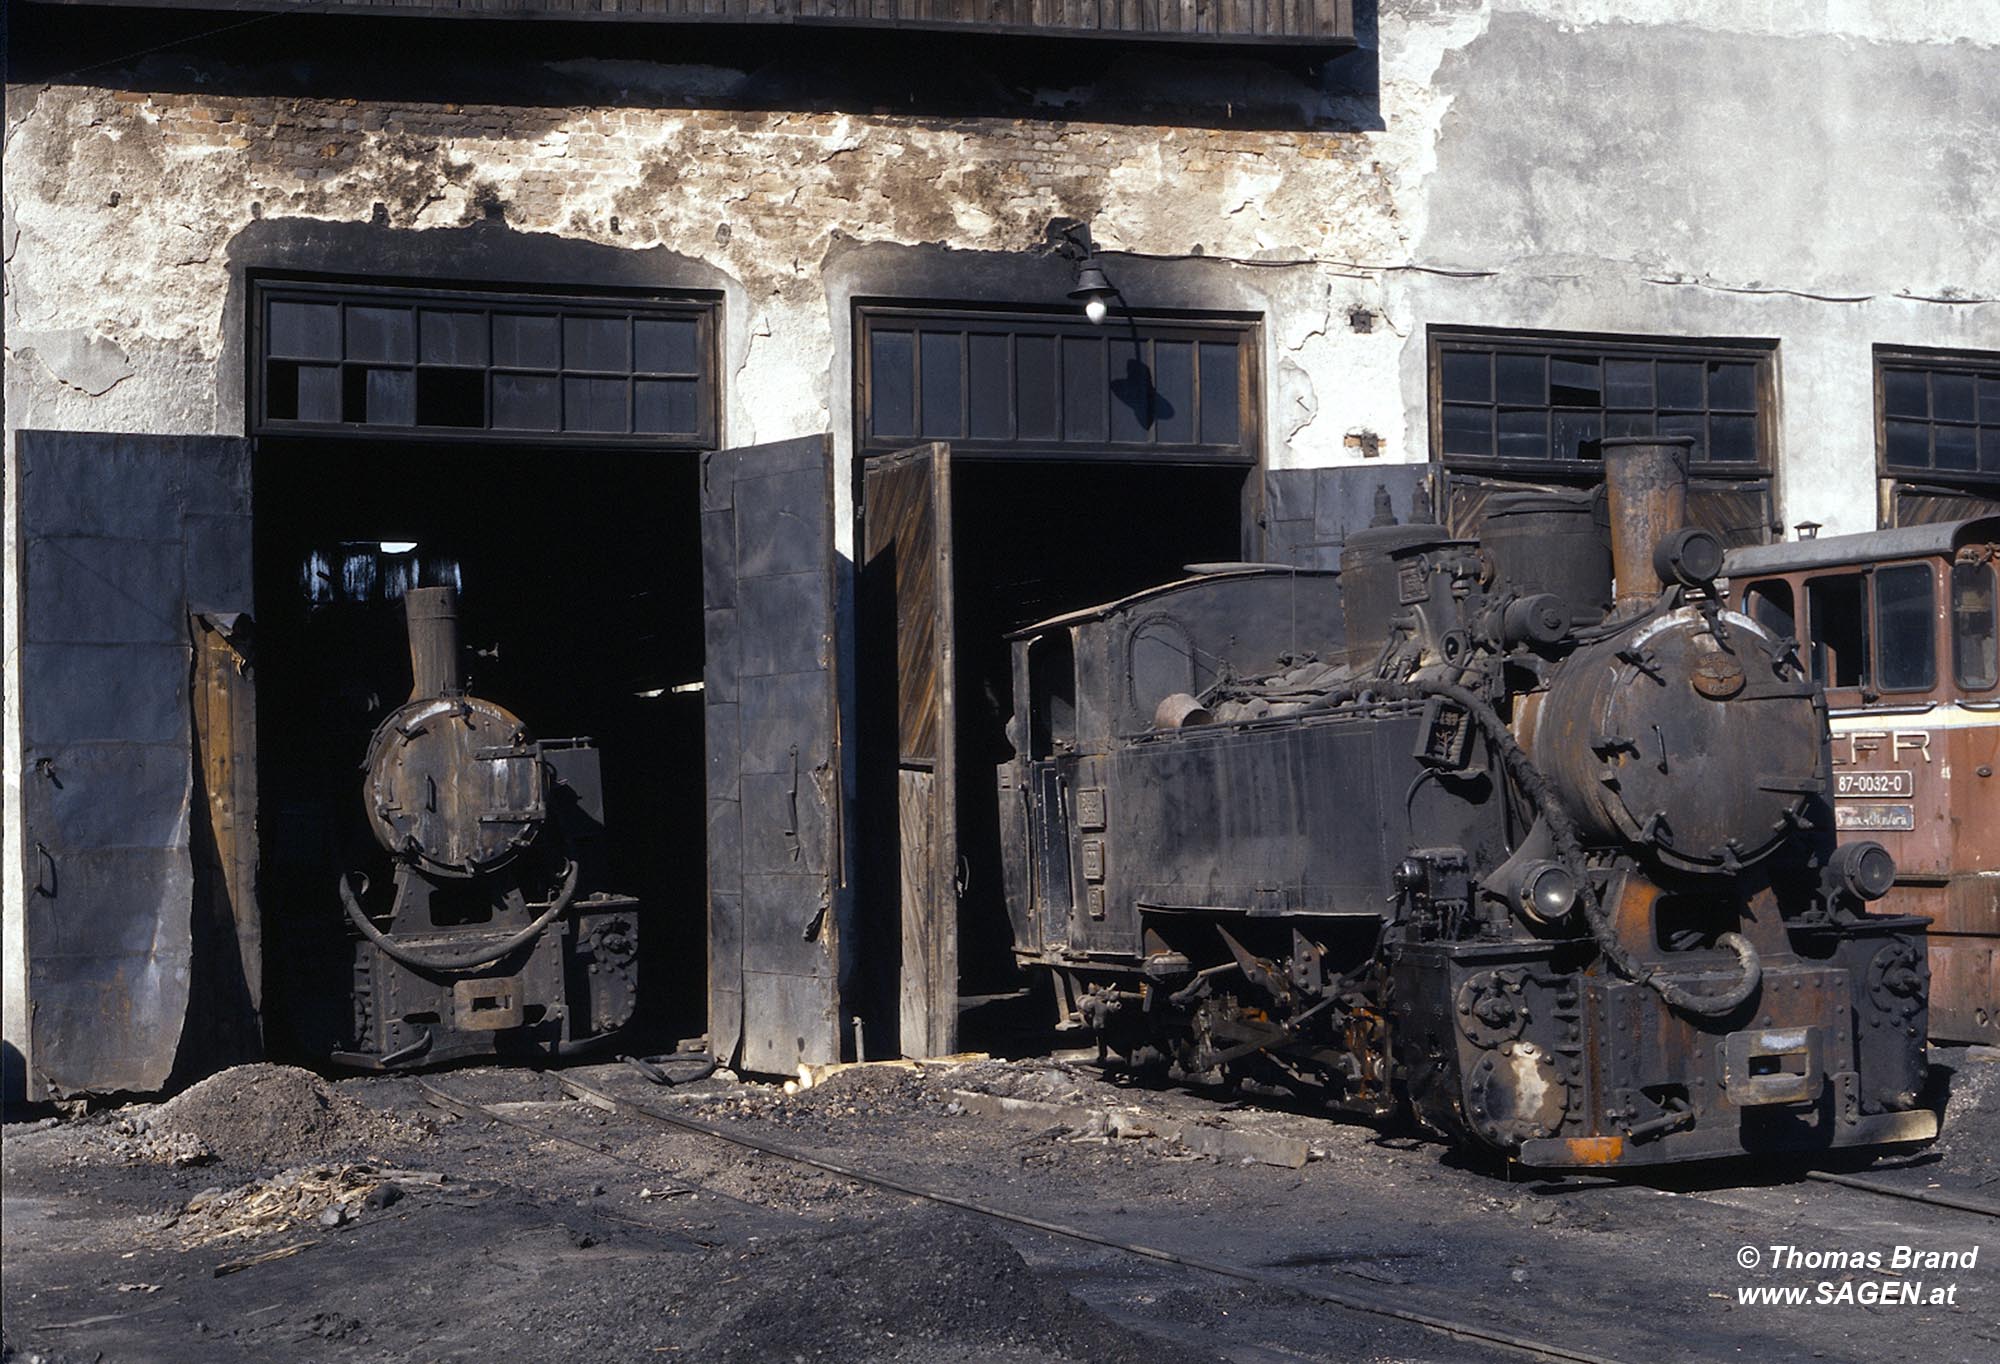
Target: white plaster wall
x,y
1817,173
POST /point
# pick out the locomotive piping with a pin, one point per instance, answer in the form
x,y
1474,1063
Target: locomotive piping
x,y
473,957
1569,850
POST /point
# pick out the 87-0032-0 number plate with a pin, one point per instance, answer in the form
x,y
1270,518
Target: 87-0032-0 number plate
x,y
1873,785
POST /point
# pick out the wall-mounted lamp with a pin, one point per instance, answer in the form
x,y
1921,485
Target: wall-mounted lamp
x,y
1091,288
1807,530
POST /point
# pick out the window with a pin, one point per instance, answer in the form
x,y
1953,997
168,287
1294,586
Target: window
x,y
1769,603
1939,415
1040,385
1541,402
457,363
1975,655
1836,613
1905,628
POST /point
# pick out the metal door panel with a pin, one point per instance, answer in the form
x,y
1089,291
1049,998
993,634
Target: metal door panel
x,y
773,754
124,541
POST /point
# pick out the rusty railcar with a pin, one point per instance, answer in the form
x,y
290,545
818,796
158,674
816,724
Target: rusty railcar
x,y
1461,830
1900,626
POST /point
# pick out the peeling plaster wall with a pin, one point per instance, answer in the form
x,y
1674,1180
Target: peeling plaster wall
x,y
1817,172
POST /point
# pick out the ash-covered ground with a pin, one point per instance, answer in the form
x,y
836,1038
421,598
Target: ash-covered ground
x,y
271,1214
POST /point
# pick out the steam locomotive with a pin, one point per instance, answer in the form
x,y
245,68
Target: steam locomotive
x,y
1462,830
499,938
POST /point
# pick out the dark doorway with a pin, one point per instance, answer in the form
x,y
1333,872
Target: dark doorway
x,y
1030,539
579,576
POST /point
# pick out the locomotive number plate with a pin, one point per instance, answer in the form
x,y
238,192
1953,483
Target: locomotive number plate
x,y
1874,817
1873,785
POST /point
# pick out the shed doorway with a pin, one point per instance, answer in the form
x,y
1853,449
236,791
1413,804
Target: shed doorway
x,y
579,579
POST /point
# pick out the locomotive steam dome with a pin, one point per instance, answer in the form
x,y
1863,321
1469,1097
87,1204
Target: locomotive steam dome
x,y
1707,786
454,781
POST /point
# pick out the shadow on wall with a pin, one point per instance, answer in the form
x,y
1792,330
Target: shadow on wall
x,y
1274,86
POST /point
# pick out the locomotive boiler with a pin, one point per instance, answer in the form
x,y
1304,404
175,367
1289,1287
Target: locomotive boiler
x,y
498,936
1462,830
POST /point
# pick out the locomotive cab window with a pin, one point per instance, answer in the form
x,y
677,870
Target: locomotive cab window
x,y
1770,605
1975,634
1837,615
1905,628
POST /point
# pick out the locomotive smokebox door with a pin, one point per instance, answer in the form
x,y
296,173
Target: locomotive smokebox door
x,y
776,884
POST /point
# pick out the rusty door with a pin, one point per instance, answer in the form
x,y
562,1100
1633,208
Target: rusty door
x,y
774,754
907,625
137,787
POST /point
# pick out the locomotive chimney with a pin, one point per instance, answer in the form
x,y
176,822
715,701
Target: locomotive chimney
x,y
1645,480
432,614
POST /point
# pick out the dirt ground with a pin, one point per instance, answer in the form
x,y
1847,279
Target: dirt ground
x,y
269,1214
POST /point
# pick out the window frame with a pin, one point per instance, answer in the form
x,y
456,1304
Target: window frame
x,y
1931,361
1878,632
1760,354
702,307
1244,330
1952,612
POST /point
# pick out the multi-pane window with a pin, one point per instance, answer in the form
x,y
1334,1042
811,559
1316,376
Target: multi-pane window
x,y
1940,415
1033,384
1531,401
462,362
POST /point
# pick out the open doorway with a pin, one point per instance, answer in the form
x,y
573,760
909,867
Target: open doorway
x,y
1018,541
579,582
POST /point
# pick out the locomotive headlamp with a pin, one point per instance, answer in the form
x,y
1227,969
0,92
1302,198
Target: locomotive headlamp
x,y
1864,870
1689,556
1546,892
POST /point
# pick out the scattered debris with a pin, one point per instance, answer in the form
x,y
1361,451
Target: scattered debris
x,y
332,1196
1224,1143
249,1261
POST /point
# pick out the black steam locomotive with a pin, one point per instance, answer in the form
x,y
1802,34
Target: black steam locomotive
x,y
499,938
1460,829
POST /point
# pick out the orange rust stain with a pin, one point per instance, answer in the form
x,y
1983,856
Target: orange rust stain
x,y
1595,1150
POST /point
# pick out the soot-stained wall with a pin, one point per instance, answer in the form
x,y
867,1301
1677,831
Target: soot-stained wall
x,y
1814,175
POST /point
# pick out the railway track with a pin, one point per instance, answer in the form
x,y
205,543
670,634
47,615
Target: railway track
x,y
1379,1301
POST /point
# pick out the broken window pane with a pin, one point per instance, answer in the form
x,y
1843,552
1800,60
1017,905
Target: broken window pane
x,y
1574,383
451,397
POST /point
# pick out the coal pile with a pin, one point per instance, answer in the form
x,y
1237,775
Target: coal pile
x,y
919,1285
268,1115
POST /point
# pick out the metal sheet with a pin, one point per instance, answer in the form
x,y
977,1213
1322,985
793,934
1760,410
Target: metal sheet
x,y
906,599
1309,513
773,755
119,534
